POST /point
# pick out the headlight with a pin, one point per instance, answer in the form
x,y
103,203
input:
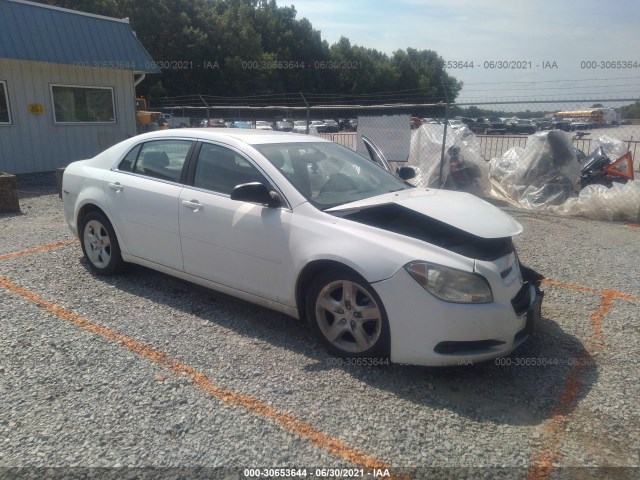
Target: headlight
x,y
449,284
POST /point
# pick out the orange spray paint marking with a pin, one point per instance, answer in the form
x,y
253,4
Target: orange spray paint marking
x,y
548,453
542,460
284,420
37,249
570,286
601,311
581,288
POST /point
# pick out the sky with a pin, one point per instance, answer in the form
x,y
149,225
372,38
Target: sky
x,y
569,47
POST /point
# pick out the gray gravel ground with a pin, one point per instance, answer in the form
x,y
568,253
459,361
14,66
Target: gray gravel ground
x,y
69,398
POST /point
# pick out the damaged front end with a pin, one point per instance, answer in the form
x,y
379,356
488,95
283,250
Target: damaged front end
x,y
463,225
405,221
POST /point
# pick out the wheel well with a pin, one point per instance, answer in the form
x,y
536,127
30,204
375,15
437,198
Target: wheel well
x,y
89,207
311,271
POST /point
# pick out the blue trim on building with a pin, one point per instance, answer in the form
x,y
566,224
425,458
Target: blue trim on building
x,y
35,32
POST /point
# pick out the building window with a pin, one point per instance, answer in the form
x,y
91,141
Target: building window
x,y
73,104
5,112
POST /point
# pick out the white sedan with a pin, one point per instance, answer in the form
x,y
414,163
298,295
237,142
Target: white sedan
x,y
307,227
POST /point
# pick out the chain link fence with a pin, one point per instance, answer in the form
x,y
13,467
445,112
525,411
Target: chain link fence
x,y
577,158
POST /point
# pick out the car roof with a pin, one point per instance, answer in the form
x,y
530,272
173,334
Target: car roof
x,y
248,136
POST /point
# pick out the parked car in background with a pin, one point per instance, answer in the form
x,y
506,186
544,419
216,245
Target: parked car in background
x,y
213,123
348,124
310,228
283,124
319,125
582,125
456,124
542,123
240,124
331,126
560,124
176,122
521,127
263,125
488,126
300,126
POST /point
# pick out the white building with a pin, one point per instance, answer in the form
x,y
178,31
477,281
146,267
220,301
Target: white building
x,y
67,85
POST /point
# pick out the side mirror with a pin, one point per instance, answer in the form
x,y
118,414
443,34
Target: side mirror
x,y
406,173
256,192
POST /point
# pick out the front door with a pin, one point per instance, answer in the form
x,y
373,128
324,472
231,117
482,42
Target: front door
x,y
241,245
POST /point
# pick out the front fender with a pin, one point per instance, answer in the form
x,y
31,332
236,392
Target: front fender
x,y
373,253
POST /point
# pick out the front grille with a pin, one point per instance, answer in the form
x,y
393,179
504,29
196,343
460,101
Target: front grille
x,y
453,348
522,300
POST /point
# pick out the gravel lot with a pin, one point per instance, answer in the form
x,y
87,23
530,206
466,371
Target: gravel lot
x,y
142,370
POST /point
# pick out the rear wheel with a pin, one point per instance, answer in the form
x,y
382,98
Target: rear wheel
x,y
99,244
348,316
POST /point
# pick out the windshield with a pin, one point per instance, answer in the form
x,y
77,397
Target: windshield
x,y
328,174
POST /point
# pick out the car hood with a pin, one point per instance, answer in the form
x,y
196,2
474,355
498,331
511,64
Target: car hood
x,y
461,210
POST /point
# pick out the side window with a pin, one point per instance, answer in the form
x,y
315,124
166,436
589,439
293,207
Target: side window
x,y
126,165
220,169
5,111
162,159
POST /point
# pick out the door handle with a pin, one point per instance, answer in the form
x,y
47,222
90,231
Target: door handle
x,y
115,186
193,205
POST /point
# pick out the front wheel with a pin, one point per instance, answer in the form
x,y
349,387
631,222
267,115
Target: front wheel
x,y
99,244
348,316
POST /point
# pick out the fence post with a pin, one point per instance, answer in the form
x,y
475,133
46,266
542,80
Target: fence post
x,y
206,105
306,105
444,134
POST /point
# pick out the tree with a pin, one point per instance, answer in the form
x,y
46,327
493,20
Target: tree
x,y
630,111
255,47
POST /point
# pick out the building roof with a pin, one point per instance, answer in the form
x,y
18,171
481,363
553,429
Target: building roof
x,y
41,33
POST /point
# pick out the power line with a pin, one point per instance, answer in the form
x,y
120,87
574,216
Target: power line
x,y
555,88
554,81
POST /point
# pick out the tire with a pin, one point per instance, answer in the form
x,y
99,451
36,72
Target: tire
x,y
100,244
338,321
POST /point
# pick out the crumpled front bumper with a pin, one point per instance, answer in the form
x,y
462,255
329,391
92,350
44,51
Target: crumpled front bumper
x,y
428,331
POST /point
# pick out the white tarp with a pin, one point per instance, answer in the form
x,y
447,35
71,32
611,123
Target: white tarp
x,y
463,169
546,172
620,202
546,175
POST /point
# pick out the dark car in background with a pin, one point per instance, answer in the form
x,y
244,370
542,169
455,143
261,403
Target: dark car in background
x,y
319,125
559,124
580,124
331,126
521,127
488,126
348,124
542,123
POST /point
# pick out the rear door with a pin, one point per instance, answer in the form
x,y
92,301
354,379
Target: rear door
x,y
143,194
